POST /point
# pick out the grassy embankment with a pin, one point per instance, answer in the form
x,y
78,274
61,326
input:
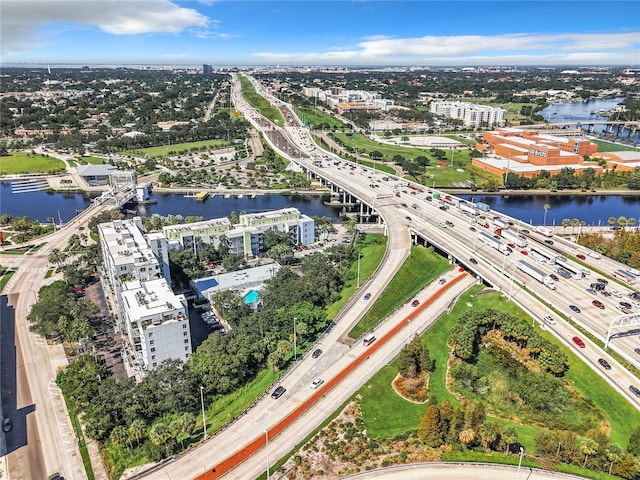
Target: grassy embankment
x,y
260,103
442,176
26,162
387,415
175,149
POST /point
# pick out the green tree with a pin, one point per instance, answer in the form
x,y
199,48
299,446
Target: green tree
x,y
137,429
588,447
509,437
429,431
633,447
466,437
614,454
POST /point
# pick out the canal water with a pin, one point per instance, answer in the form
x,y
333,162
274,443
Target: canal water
x,y
592,209
583,112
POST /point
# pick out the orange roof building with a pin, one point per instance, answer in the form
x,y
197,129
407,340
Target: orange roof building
x,y
528,152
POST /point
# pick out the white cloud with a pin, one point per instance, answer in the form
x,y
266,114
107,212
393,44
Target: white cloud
x,y
22,20
524,48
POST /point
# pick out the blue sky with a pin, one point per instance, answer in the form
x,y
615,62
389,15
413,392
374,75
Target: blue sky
x,y
424,33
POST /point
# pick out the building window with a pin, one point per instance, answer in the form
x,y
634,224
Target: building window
x,y
186,348
155,364
186,340
184,325
151,342
150,334
153,349
184,334
153,357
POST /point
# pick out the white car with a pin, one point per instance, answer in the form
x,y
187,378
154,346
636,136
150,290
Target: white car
x,y
549,320
616,293
595,255
316,383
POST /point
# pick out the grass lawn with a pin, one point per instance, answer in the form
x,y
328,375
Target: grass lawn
x,y
260,103
165,150
442,176
421,268
317,118
24,162
5,276
604,146
372,249
92,160
385,414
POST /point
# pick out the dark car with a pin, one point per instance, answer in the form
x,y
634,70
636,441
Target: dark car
x,y
602,280
408,217
604,364
598,303
548,242
56,476
635,390
554,277
574,308
581,257
367,296
449,224
415,303
578,341
524,230
637,350
472,229
6,425
278,392
473,260
316,353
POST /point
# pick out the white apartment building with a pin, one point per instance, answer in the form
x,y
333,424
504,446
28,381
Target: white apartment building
x,y
244,237
152,320
471,114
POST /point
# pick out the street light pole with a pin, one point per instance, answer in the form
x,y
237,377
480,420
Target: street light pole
x,y
295,355
266,436
519,463
204,418
358,285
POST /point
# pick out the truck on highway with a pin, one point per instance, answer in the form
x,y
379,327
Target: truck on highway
x,y
468,209
501,223
493,243
511,237
536,273
483,207
544,231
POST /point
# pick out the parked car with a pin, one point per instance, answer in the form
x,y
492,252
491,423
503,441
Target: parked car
x,y
415,303
604,364
278,392
578,341
316,353
574,308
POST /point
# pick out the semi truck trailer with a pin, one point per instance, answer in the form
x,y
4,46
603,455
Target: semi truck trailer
x,y
539,275
494,243
511,237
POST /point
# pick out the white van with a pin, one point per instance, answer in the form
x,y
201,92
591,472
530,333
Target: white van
x,y
368,339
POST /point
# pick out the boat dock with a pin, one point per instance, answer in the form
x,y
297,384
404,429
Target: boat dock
x,y
202,196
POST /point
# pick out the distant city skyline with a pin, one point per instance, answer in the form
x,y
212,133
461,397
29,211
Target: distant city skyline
x,y
338,33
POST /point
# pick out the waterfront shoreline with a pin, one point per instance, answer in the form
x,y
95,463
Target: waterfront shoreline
x,y
543,193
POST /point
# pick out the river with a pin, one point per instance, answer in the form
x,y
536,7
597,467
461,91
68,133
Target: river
x,y
592,209
583,112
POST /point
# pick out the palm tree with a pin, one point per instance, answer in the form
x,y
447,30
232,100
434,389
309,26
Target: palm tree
x,y
118,435
631,222
546,209
509,436
137,429
574,223
466,437
57,257
612,221
622,221
588,447
565,223
614,454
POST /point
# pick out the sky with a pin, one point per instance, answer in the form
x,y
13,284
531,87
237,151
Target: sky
x,y
328,32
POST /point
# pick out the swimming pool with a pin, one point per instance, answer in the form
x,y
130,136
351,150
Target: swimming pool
x,y
252,296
